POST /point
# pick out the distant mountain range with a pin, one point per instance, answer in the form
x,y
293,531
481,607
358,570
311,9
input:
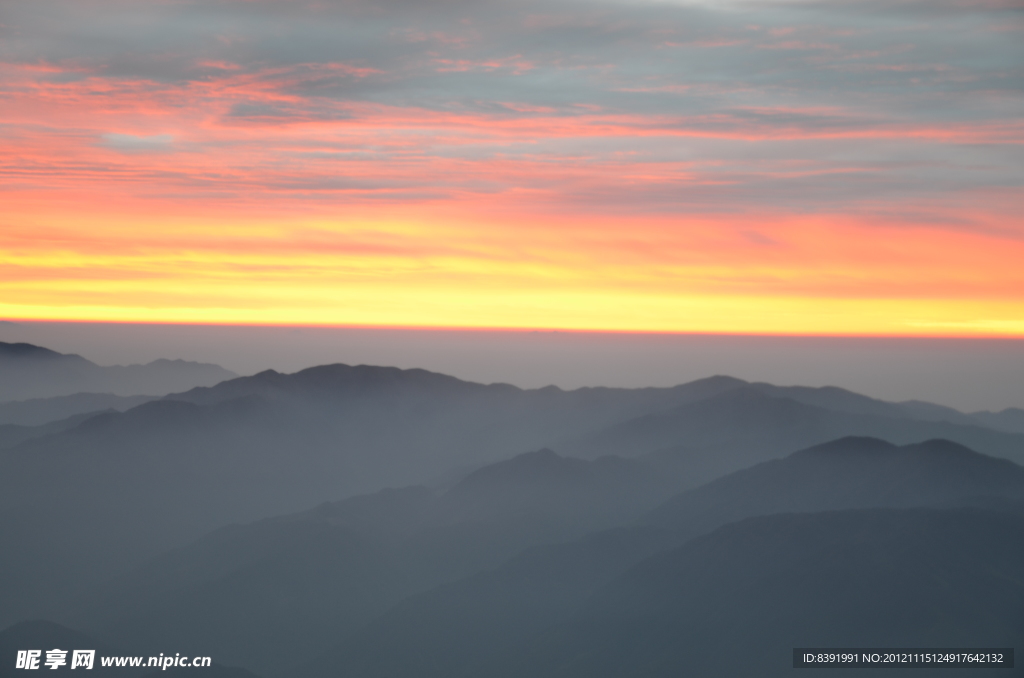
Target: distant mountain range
x,y
737,601
732,603
310,580
39,411
361,520
305,578
540,604
847,473
748,423
120,487
31,372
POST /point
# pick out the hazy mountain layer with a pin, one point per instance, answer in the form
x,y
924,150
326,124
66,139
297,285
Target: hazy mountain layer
x,y
302,581
14,434
732,603
460,629
39,411
749,424
477,626
29,372
1010,419
737,601
267,592
847,473
121,487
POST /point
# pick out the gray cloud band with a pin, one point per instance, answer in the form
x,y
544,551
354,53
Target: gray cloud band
x,y
870,101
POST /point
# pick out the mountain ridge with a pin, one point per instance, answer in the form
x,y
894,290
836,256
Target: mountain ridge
x,y
445,634
848,473
854,578
28,372
122,487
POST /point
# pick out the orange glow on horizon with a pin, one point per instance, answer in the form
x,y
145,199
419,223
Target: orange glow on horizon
x,y
792,274
133,200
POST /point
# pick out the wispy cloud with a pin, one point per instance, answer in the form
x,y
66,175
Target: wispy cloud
x,y
640,119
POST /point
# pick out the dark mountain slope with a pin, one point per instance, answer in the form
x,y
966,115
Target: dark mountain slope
x,y
255,597
261,594
473,416
847,473
39,411
745,425
832,398
31,352
457,630
340,381
737,601
120,487
545,485
443,633
13,434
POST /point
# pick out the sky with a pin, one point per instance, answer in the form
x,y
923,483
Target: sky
x,y
810,167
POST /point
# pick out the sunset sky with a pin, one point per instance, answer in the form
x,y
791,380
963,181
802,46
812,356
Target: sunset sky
x,y
850,167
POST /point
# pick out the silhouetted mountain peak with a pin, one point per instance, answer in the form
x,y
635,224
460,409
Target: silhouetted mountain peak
x,y
369,377
852,472
930,452
714,385
944,447
748,396
179,363
933,460
721,380
158,413
33,372
330,382
849,446
542,465
912,578
21,351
